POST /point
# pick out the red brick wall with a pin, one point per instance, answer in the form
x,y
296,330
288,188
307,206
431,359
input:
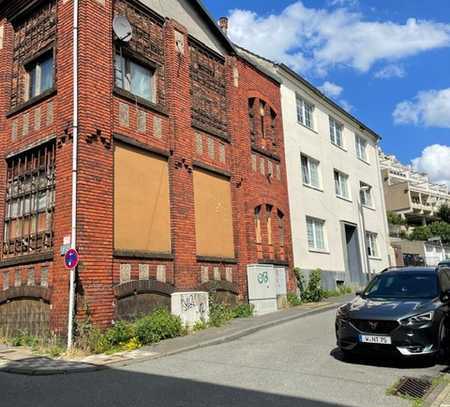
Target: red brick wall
x,y
165,127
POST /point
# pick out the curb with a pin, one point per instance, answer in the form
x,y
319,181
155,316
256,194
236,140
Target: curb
x,y
212,342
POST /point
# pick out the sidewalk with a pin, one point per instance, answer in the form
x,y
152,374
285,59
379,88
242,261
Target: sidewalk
x,y
23,361
440,397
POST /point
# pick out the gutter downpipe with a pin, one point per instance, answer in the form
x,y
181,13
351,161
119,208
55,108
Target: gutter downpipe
x,y
73,240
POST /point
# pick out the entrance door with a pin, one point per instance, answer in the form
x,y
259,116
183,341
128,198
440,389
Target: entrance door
x,y
353,254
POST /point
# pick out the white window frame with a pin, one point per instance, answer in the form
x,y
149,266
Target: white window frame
x,y
361,148
368,203
372,245
334,125
123,68
307,177
317,227
35,75
343,179
305,110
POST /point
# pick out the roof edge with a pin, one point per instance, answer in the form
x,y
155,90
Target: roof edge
x,y
320,94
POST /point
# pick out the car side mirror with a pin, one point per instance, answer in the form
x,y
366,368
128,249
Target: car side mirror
x,y
445,296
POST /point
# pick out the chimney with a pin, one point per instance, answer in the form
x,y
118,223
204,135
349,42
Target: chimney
x,y
223,25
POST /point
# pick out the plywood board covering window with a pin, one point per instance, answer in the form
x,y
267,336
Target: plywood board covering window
x,y
213,215
141,201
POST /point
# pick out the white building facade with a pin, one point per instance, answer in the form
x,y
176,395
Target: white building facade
x,y
336,196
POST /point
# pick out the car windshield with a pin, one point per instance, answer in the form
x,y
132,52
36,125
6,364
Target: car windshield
x,y
403,286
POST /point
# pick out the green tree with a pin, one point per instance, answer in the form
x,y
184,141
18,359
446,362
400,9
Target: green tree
x,y
420,233
444,213
395,219
442,230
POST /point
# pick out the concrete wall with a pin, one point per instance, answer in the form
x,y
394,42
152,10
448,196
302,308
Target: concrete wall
x,y
305,201
397,196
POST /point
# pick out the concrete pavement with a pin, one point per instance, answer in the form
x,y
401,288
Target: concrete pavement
x,y
292,364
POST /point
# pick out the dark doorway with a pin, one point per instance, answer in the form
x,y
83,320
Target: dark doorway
x,y
353,254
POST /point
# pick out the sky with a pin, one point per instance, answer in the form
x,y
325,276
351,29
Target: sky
x,y
386,61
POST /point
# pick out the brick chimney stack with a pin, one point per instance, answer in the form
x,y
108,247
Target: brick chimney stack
x,y
223,25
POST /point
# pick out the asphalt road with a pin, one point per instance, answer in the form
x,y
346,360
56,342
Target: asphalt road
x,y
293,364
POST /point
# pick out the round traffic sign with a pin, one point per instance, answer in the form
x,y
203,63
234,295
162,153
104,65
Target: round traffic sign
x,y
71,259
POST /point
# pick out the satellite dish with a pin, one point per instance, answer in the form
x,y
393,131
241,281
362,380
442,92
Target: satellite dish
x,y
122,28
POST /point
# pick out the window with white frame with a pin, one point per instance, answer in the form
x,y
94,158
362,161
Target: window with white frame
x,y
336,129
341,184
134,77
305,112
365,193
310,171
40,75
361,148
316,233
372,244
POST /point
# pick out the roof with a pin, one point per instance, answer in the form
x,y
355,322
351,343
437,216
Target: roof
x,y
410,270
198,4
315,90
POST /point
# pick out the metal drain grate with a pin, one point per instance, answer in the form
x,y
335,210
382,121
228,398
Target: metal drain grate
x,y
413,387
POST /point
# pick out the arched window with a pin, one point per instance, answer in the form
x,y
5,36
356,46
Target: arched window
x,y
281,234
258,240
262,123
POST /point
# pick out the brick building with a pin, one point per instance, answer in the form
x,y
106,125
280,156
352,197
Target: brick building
x,y
181,173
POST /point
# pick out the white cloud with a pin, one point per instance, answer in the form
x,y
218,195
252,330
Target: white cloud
x,y
344,3
390,71
434,161
428,108
346,105
319,39
331,89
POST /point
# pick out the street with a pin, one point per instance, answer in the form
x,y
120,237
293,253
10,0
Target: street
x,y
290,364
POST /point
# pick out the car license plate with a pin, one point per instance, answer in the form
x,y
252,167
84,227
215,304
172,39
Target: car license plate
x,y
379,340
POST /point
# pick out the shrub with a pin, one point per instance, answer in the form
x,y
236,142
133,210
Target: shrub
x,y
219,313
311,291
243,311
159,325
199,326
314,290
293,299
120,333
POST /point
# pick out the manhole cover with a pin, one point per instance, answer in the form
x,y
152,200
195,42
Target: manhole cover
x,y
413,387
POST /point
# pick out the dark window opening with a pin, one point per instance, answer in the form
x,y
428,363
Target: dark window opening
x,y
30,201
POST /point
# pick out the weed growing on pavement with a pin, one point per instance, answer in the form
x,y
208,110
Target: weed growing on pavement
x,y
310,291
293,300
220,313
199,326
243,311
340,291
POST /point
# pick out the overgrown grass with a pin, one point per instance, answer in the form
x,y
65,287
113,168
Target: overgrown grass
x,y
127,336
48,344
220,314
338,292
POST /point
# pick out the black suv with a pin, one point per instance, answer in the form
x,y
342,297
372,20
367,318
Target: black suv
x,y
402,310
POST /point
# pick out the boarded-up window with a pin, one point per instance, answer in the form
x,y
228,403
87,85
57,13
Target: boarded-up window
x,y
141,201
213,216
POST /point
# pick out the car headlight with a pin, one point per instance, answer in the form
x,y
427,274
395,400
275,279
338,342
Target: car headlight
x,y
419,319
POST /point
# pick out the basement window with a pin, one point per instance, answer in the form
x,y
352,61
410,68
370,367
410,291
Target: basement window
x,y
30,200
40,75
134,77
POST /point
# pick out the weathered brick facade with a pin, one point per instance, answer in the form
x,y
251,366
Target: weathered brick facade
x,y
204,117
